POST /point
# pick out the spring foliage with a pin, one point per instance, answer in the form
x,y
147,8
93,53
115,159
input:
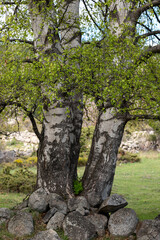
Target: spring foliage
x,y
114,70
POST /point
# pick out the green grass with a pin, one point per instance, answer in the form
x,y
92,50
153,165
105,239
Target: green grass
x,y
10,200
139,183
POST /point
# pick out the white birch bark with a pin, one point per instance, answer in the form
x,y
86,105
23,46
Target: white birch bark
x,y
100,169
59,146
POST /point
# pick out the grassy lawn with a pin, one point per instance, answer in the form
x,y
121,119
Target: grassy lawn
x,y
139,183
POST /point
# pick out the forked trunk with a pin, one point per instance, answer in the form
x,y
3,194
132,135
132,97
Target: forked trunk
x,y
100,169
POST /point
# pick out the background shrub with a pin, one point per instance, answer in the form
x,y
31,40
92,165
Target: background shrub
x,y
19,162
31,161
127,157
22,180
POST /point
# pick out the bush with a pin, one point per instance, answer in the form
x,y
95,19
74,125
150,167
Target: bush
x,y
31,161
127,157
19,162
21,180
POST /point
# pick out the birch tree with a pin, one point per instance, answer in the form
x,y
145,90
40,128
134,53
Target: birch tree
x,y
45,69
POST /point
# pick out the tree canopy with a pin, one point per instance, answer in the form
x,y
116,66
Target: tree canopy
x,y
116,69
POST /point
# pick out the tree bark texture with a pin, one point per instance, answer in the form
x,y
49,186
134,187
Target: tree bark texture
x,y
59,149
100,169
101,165
59,146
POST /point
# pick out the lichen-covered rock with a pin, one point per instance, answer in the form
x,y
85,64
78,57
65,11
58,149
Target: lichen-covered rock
x,y
56,201
112,204
21,224
77,227
46,235
49,215
56,221
99,221
149,230
38,200
5,214
79,204
123,222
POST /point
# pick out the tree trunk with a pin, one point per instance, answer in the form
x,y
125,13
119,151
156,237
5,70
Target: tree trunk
x,y
100,169
59,149
59,146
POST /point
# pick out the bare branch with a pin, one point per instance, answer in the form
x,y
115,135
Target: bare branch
x,y
8,3
20,40
143,116
152,33
29,114
138,12
156,15
92,17
148,29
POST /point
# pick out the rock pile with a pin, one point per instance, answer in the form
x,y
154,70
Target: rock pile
x,y
140,141
78,220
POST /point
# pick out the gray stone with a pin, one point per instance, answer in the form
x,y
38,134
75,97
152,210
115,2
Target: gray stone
x,y
56,221
7,156
123,222
49,214
112,204
79,204
56,201
46,235
149,230
100,222
22,205
38,200
21,224
77,227
5,214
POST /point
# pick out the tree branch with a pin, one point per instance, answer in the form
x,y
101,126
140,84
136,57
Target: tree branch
x,y
19,40
143,116
92,17
29,114
137,12
152,33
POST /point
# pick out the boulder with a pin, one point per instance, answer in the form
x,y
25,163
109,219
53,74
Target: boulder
x,y
77,227
79,204
56,201
7,156
46,235
5,214
149,230
56,221
99,221
49,214
112,204
38,200
123,222
21,224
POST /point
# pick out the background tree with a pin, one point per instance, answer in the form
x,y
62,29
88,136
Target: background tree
x,y
45,69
